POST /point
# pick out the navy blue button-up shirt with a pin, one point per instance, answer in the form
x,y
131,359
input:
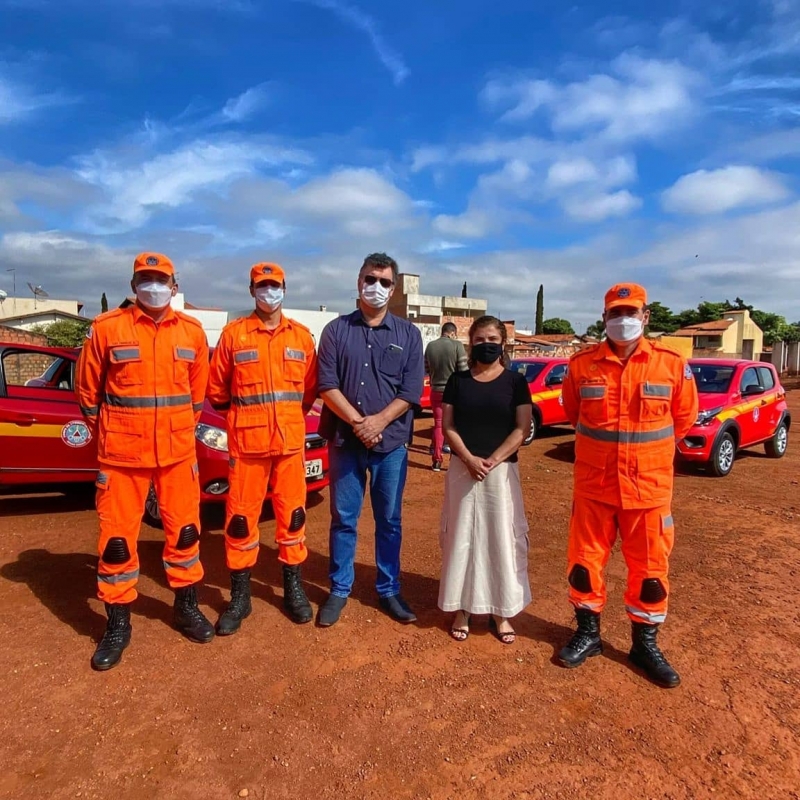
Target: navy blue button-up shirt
x,y
371,367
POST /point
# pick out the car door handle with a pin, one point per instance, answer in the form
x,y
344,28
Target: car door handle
x,y
23,419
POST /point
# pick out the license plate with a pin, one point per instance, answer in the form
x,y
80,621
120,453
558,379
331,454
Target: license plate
x,y
314,468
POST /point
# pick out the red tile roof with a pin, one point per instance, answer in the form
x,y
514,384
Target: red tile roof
x,y
715,326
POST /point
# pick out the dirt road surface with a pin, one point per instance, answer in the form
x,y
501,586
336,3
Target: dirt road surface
x,y
370,709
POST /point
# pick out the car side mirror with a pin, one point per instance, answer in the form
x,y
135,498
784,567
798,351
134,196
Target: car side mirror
x,y
554,380
750,391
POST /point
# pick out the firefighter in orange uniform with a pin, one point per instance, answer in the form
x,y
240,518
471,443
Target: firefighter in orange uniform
x,y
629,399
140,381
264,374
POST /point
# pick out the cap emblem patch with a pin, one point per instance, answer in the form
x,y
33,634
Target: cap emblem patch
x,y
624,292
152,261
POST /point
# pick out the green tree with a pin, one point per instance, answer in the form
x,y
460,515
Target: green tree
x,y
103,304
556,325
662,319
709,312
64,333
539,329
596,329
687,317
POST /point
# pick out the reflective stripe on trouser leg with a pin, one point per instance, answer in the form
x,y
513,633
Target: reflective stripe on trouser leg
x,y
592,532
289,503
178,490
249,478
120,499
647,537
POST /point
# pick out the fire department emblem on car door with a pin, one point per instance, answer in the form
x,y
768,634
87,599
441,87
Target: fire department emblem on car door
x,y
75,434
756,414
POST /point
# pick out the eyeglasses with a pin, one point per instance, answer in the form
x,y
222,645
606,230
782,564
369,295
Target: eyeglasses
x,y
372,279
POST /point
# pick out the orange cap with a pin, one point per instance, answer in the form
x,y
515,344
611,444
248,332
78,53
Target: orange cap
x,y
267,272
154,262
626,294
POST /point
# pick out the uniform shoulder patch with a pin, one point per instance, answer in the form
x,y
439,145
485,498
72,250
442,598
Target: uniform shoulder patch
x,y
687,372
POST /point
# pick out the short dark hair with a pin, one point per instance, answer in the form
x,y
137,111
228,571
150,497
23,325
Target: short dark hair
x,y
449,327
381,261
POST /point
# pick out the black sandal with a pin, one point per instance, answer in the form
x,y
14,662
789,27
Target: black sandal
x,y
460,634
506,637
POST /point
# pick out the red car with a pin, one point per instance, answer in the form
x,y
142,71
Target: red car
x,y
545,377
742,403
43,438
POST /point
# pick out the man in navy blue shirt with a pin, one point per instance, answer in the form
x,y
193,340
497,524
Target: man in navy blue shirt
x,y
370,375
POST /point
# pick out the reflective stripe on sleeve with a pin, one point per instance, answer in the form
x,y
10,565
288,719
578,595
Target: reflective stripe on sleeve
x,y
90,411
625,437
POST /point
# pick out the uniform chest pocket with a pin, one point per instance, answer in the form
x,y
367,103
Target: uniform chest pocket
x,y
294,365
184,358
594,402
126,368
247,368
654,401
391,361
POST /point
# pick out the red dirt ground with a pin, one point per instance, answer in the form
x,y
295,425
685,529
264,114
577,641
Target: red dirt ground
x,y
370,709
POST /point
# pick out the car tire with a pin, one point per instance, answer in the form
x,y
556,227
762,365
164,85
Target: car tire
x,y
776,446
533,432
152,512
723,456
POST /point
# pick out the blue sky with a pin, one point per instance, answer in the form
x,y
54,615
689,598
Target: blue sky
x,y
507,144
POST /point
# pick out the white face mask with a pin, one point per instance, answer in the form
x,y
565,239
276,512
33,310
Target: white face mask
x,y
154,295
376,295
268,298
624,330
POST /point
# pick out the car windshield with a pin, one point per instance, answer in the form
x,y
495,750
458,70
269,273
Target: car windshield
x,y
530,369
712,379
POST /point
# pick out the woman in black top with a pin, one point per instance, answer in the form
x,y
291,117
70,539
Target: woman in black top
x,y
486,415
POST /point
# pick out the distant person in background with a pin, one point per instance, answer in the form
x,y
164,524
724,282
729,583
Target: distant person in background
x,y
484,536
443,357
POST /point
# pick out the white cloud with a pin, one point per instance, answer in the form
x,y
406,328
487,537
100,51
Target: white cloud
x,y
570,172
245,105
472,224
717,191
353,15
137,190
641,98
596,208
19,102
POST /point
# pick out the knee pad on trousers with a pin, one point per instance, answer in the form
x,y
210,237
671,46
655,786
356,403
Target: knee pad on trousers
x,y
653,591
298,519
116,551
189,536
238,528
580,580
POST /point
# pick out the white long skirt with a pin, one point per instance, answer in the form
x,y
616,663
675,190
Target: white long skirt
x,y
484,540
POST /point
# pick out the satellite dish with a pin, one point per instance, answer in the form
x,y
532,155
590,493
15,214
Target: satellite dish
x,y
38,291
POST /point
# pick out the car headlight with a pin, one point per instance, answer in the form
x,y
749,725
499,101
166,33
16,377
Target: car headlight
x,y
705,417
215,438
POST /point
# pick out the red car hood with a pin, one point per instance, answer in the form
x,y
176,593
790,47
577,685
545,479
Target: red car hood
x,y
211,417
712,400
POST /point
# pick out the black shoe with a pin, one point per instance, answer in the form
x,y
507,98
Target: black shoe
x,y
437,466
188,618
240,606
294,598
397,608
116,638
646,655
585,642
331,610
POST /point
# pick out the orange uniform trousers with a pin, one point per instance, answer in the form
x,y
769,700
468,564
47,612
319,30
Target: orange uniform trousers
x,y
249,479
647,536
121,495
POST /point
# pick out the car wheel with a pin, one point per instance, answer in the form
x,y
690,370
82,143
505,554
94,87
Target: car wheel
x,y
776,446
723,456
152,513
534,430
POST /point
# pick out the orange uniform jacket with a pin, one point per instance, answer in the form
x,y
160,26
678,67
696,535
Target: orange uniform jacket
x,y
627,419
144,385
266,380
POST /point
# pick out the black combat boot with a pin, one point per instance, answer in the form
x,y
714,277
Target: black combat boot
x,y
188,618
585,642
647,655
116,638
294,598
240,606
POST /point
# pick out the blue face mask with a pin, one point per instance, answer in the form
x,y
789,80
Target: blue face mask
x,y
268,298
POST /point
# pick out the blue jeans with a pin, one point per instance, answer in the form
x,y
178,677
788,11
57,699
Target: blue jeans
x,y
387,478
